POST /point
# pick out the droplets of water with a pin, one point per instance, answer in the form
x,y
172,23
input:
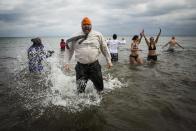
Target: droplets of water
x,y
65,91
55,87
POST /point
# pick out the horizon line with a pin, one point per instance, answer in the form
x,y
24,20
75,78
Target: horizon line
x,y
69,36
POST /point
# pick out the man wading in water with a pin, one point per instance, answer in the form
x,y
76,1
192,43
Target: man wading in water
x,y
172,44
87,50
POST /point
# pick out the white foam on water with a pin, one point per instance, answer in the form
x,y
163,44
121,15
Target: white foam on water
x,y
58,87
64,88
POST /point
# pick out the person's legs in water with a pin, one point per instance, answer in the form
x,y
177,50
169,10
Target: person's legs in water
x,y
81,78
149,59
111,56
133,59
170,49
139,60
114,56
95,75
152,59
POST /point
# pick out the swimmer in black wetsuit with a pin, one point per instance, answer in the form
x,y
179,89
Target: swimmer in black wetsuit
x,y
152,56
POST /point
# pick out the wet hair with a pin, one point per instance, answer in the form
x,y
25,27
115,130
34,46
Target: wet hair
x,y
151,38
37,41
173,37
114,36
135,37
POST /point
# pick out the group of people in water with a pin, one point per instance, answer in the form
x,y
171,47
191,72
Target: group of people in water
x,y
135,57
87,46
151,43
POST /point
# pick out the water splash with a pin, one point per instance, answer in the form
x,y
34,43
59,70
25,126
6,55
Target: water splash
x,y
56,87
65,93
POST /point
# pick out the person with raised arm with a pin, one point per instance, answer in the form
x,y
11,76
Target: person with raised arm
x,y
152,56
134,56
113,46
172,44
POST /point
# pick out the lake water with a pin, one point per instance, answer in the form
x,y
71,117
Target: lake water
x,y
149,97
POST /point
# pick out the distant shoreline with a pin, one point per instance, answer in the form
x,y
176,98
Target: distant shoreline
x,y
104,36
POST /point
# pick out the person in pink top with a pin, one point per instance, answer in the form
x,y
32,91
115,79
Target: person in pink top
x,y
63,45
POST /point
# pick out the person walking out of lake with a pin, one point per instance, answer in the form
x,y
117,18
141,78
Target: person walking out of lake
x,y
152,56
172,44
87,52
36,55
63,45
134,56
113,47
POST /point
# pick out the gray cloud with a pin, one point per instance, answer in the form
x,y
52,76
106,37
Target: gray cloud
x,y
10,17
127,17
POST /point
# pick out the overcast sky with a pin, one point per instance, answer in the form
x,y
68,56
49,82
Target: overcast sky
x,y
123,17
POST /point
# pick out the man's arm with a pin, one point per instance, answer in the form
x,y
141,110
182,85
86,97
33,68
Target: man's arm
x,y
165,45
122,42
179,45
70,53
105,50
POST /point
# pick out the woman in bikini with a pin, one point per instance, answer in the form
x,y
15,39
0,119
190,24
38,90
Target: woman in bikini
x,y
134,56
152,56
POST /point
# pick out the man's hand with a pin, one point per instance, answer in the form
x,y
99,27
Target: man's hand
x,y
109,65
67,67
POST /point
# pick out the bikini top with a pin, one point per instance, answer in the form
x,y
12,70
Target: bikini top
x,y
151,48
135,46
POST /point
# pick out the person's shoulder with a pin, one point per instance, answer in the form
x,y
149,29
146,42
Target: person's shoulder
x,y
77,34
30,48
172,41
96,32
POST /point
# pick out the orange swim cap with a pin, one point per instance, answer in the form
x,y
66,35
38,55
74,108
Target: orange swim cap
x,y
86,21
